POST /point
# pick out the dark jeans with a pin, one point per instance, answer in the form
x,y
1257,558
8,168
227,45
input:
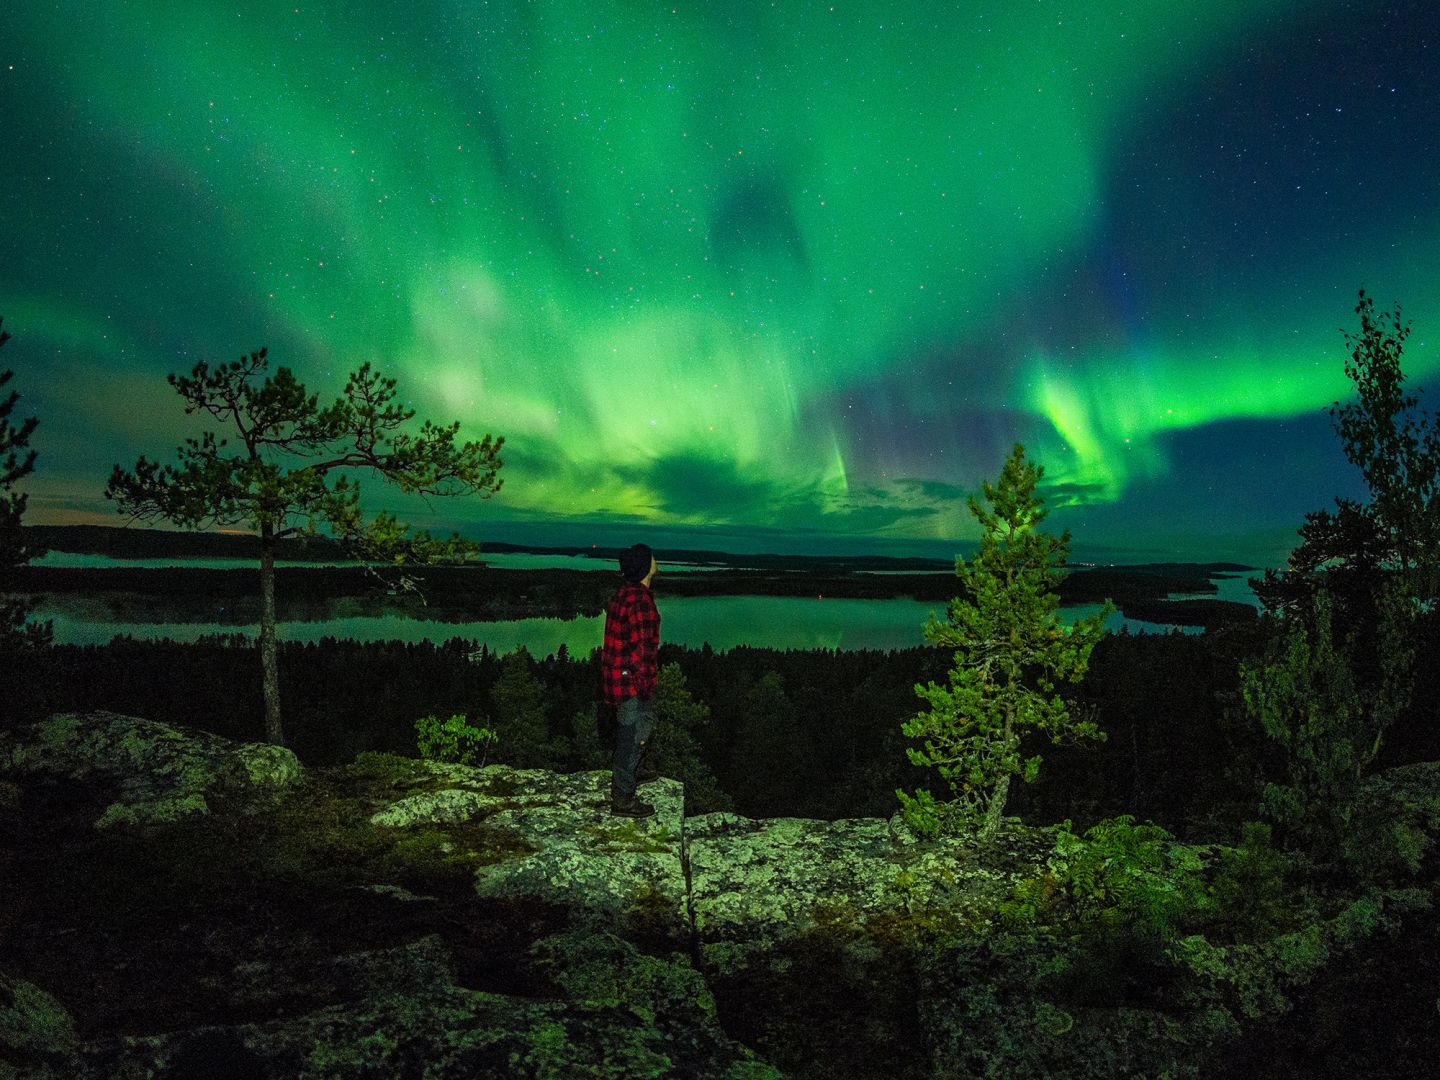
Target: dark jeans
x,y
634,721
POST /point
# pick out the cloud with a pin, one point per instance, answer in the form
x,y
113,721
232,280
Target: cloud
x,y
1075,493
938,490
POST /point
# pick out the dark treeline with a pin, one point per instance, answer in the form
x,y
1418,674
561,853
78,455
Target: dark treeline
x,y
1187,612
792,733
133,543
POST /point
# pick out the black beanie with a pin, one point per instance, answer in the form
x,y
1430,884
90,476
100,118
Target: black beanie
x,y
635,562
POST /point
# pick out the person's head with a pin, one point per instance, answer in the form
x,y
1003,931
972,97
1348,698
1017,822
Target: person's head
x,y
636,562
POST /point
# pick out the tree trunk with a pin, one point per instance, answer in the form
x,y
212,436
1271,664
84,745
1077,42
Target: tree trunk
x,y
995,808
269,664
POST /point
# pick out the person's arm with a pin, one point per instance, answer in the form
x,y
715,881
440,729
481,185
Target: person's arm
x,y
634,645
647,628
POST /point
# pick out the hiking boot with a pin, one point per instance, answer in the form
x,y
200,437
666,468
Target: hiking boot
x,y
645,773
630,806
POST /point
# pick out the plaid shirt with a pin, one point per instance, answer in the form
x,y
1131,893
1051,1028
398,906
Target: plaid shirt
x,y
632,637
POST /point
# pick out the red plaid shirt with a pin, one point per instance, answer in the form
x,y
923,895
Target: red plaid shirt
x,y
632,638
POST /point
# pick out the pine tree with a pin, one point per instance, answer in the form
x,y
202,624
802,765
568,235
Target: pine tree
x,y
1393,540
1011,653
275,420
15,549
1341,671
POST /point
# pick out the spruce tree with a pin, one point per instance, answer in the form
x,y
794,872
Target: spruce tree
x,y
1011,655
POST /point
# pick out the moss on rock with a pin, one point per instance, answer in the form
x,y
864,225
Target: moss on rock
x,y
157,774
34,1026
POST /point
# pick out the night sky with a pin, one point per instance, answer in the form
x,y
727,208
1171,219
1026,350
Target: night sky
x,y
785,276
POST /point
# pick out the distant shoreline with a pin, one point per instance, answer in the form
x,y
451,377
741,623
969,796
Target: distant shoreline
x,y
486,593
138,543
142,543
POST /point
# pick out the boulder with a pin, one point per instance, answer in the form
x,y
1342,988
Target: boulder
x,y
152,773
617,1013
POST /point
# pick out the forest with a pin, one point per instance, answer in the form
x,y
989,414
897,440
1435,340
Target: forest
x,y
794,733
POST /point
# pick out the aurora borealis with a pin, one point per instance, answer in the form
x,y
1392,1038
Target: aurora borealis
x,y
788,274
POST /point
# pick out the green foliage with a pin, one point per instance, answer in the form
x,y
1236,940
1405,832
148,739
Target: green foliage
x,y
364,428
1011,655
1329,732
1328,698
675,747
1396,446
587,750
767,733
452,740
519,713
1394,538
928,818
1127,877
274,419
1379,847
15,550
1252,898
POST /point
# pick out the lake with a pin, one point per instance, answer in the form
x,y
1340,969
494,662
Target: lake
x,y
775,622
725,622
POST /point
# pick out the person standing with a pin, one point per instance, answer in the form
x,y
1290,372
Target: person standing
x,y
629,671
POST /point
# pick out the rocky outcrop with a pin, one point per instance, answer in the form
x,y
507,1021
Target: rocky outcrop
x,y
619,1014
152,773
35,1030
755,884
564,845
400,917
390,918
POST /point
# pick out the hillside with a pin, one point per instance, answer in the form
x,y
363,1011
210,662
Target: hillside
x,y
178,905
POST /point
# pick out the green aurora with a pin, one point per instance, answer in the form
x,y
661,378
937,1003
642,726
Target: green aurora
x,y
794,271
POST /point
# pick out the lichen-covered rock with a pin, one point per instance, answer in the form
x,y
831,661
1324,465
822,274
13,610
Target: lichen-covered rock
x,y
404,917
156,773
754,883
35,1029
570,850
398,1012
454,793
809,930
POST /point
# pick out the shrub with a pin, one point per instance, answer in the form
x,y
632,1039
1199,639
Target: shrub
x,y
452,740
1118,877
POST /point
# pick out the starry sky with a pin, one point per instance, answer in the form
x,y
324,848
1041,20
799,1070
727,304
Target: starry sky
x,y
759,276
